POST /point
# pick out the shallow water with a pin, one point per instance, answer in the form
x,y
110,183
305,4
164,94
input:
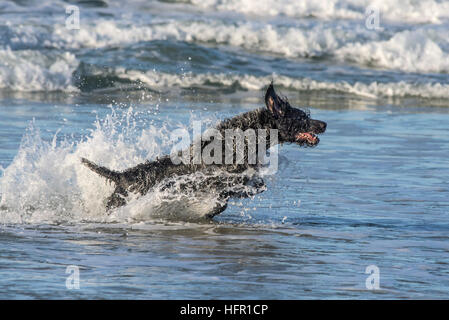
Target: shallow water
x,y
373,192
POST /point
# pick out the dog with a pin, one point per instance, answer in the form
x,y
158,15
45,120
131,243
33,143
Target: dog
x,y
293,125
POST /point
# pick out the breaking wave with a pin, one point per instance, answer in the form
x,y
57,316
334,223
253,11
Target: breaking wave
x,y
44,74
43,55
426,11
420,50
30,70
247,82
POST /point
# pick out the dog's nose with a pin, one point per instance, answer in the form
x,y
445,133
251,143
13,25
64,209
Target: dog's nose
x,y
323,126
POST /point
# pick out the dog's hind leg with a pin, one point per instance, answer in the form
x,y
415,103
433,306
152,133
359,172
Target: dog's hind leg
x,y
219,208
117,199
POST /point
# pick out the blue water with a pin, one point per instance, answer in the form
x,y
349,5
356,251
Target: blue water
x,y
374,191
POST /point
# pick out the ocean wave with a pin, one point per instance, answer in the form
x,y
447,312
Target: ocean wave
x,y
33,71
309,40
249,82
30,70
401,11
411,51
426,11
422,49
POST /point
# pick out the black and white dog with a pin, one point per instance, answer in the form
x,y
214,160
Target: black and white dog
x,y
292,125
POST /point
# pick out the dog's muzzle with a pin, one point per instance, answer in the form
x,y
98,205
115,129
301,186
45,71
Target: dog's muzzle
x,y
307,137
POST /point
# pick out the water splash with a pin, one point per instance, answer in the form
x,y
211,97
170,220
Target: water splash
x,y
46,182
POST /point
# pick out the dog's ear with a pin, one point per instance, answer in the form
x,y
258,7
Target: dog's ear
x,y
273,102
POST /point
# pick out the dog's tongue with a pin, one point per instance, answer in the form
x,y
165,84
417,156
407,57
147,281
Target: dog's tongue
x,y
309,137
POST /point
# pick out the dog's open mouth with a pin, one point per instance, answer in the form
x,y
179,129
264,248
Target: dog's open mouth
x,y
307,137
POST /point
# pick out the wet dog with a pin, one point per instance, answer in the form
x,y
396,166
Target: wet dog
x,y
292,125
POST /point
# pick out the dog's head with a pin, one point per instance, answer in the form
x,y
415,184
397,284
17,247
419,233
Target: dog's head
x,y
294,125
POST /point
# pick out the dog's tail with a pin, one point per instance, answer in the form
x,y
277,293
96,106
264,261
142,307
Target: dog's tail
x,y
102,171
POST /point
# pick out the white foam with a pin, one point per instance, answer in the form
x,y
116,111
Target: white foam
x,y
422,49
412,51
29,70
46,181
249,82
409,11
425,11
305,41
